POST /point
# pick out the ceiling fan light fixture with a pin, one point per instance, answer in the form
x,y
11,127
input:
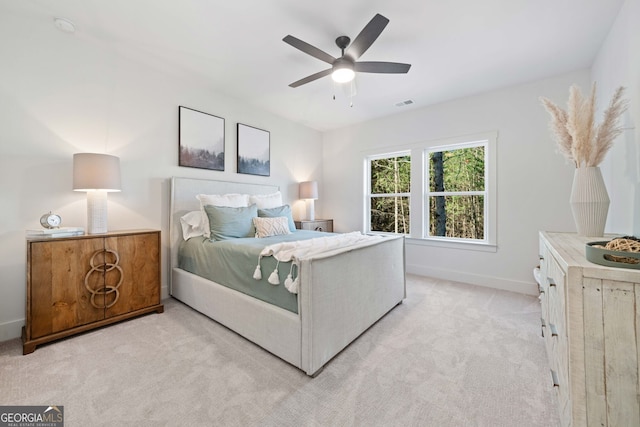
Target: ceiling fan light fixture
x,y
342,71
343,75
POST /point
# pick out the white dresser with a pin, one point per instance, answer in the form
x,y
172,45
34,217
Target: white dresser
x,y
591,326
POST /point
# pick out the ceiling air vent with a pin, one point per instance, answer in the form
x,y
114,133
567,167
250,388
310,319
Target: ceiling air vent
x,y
404,103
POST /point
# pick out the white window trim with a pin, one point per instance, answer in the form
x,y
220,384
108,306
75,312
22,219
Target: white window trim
x,y
471,245
418,198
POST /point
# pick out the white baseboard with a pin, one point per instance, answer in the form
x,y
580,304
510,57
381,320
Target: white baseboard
x,y
11,330
475,279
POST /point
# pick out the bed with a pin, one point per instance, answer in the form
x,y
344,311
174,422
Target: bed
x,y
338,296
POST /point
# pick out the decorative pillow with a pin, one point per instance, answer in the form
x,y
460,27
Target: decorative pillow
x,y
230,223
192,225
228,200
284,210
266,227
266,201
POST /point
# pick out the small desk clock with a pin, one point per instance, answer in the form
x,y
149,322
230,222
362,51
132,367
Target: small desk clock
x,y
50,220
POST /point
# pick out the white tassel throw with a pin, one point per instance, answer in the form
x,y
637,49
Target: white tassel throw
x,y
299,250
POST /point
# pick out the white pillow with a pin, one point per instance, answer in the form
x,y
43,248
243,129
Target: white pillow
x,y
266,201
226,200
276,226
192,225
220,200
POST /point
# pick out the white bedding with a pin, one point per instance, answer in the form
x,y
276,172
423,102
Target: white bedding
x,y
308,249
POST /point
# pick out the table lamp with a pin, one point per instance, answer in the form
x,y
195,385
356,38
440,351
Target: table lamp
x,y
309,191
97,174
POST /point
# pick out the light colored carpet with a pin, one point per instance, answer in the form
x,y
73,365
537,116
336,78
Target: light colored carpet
x,y
451,355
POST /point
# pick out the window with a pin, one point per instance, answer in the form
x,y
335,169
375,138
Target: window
x,y
437,193
455,196
389,194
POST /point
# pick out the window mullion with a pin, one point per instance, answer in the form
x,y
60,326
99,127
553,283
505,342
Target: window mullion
x,y
391,195
456,193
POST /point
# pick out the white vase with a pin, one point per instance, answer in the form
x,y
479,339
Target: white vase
x,y
589,201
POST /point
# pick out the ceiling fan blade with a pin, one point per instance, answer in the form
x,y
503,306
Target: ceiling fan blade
x,y
367,36
311,78
309,50
381,67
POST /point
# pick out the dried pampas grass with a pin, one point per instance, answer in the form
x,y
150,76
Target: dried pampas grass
x,y
578,138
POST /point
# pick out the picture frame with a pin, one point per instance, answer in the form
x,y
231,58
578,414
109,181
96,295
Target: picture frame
x,y
254,150
200,139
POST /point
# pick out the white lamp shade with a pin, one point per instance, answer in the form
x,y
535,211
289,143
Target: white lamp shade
x,y
308,190
96,174
92,171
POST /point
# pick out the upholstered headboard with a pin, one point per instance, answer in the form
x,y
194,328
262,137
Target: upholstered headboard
x,y
183,200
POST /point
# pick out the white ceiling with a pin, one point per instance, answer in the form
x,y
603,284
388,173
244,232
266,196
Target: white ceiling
x,y
456,47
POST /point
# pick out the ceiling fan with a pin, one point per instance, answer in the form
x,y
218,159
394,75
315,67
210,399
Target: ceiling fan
x,y
343,69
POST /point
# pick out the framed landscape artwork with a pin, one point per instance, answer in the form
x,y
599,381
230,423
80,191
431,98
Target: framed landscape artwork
x,y
253,151
201,139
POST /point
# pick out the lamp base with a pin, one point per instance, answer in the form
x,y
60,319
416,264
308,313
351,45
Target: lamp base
x,y
311,215
96,212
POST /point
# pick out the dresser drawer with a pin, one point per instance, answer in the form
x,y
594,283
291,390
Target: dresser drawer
x,y
556,297
560,364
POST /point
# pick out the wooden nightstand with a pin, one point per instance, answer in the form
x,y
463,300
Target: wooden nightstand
x,y
317,225
75,284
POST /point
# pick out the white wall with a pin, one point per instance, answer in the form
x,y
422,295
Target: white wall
x,y
61,94
618,64
534,181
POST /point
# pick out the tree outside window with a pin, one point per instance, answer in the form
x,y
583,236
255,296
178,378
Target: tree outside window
x,y
390,188
456,195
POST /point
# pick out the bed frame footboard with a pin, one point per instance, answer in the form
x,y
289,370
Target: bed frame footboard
x,y
340,297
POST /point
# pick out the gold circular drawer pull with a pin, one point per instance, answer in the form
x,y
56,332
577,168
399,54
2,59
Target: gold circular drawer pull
x,y
102,269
